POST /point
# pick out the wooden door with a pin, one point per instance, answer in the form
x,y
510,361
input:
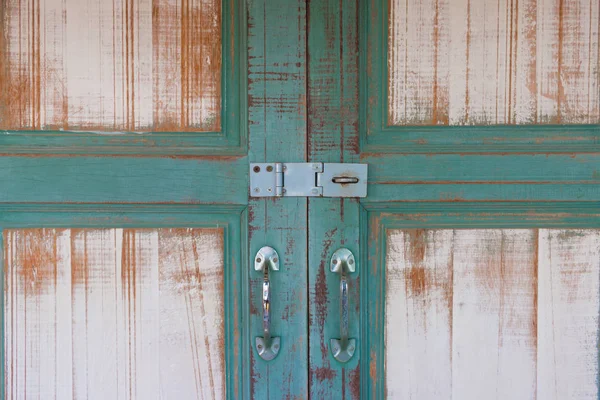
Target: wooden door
x,y
478,241
128,241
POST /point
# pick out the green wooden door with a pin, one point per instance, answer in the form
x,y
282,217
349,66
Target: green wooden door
x,y
127,128
478,241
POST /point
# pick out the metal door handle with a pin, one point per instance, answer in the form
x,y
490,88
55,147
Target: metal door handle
x,y
267,346
342,263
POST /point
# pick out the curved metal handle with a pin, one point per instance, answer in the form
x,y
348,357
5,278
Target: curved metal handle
x,y
342,263
267,346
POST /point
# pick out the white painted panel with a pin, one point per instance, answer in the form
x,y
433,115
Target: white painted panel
x,y
486,62
112,313
492,313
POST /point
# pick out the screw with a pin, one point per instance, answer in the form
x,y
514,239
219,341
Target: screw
x,y
351,261
351,349
316,167
257,190
257,169
269,190
335,261
275,259
284,190
258,260
275,347
259,347
269,168
336,349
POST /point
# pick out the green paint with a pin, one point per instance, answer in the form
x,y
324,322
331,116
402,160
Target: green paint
x,y
333,223
277,127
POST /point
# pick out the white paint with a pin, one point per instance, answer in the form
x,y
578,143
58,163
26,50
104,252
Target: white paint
x,y
418,325
492,342
569,291
131,332
498,62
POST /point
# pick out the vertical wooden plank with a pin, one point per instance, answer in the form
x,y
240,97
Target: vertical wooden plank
x,y
569,287
111,313
332,137
418,304
277,132
494,343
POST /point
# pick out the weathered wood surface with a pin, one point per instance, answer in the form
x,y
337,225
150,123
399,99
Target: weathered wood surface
x,y
332,137
277,115
488,62
499,314
123,65
114,313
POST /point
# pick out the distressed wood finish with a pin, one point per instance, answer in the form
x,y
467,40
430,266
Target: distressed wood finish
x,y
113,313
332,137
125,65
493,62
504,313
277,132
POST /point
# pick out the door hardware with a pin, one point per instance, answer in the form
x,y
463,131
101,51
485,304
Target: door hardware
x,y
308,180
343,264
267,346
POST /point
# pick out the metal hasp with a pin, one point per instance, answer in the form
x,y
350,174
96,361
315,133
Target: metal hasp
x,y
267,346
308,180
343,264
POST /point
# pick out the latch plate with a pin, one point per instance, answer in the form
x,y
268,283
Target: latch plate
x,y
308,180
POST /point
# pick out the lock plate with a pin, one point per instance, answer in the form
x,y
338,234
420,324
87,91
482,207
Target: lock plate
x,y
308,180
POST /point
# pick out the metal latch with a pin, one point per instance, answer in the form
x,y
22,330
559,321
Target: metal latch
x,y
308,180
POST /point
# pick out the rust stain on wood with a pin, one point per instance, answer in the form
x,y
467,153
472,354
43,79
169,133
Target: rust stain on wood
x,y
125,65
527,62
135,308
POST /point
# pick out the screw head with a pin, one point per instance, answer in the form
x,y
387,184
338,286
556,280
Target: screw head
x,y
276,260
256,190
259,346
269,168
316,167
275,347
258,260
335,261
351,349
351,261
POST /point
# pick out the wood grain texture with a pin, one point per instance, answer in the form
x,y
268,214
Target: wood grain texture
x,y
492,313
113,313
568,314
492,62
332,137
277,115
123,65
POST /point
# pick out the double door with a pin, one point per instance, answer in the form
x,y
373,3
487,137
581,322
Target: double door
x,y
132,237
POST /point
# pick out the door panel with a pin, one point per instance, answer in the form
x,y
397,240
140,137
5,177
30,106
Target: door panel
x,y
460,312
72,69
471,77
110,313
493,62
480,126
